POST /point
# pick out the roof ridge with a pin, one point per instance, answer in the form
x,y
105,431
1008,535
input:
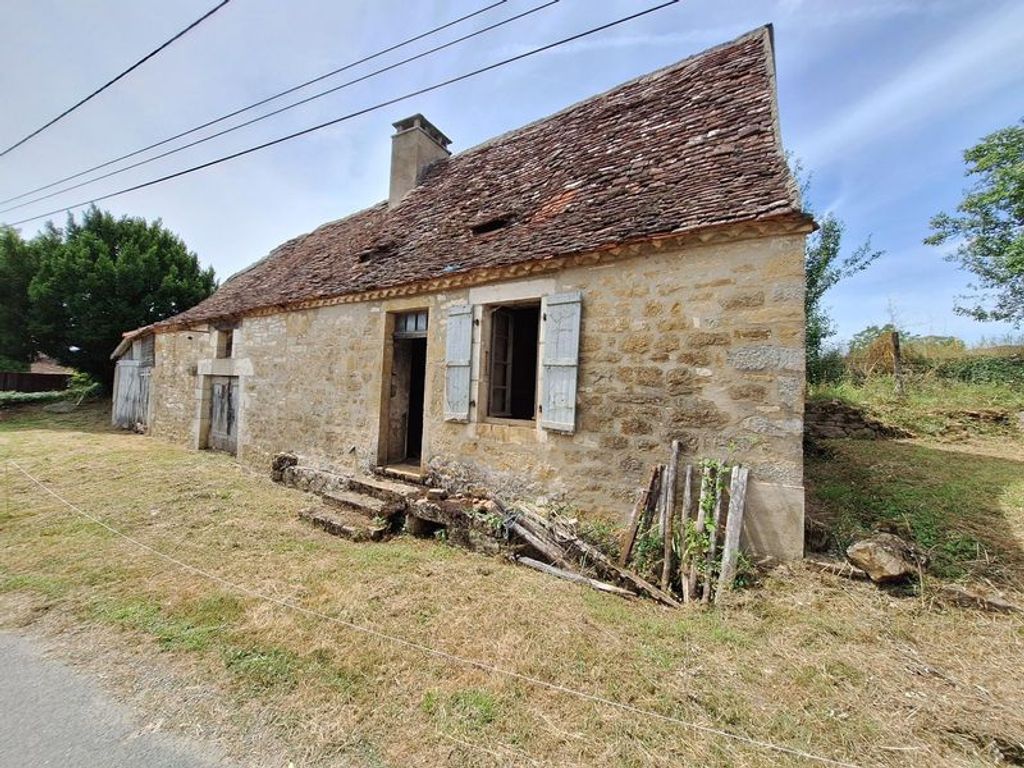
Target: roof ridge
x,y
695,144
764,29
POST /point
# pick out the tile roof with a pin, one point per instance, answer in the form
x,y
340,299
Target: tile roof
x,y
691,146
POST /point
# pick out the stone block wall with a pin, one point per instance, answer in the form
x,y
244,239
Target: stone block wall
x,y
828,419
172,393
704,345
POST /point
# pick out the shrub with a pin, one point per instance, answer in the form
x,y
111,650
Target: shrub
x,y
10,364
829,367
80,386
984,370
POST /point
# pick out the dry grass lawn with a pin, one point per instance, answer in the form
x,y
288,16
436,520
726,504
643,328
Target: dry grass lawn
x,y
808,661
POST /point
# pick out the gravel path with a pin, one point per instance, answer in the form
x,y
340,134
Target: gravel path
x,y
53,715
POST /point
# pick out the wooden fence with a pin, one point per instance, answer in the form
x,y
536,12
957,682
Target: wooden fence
x,y
18,381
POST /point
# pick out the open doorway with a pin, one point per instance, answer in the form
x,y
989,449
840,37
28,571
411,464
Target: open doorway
x,y
408,388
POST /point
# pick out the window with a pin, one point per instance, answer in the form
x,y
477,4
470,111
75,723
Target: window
x,y
147,351
513,362
411,325
510,372
226,342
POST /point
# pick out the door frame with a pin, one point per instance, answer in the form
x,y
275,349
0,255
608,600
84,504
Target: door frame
x,y
234,385
387,369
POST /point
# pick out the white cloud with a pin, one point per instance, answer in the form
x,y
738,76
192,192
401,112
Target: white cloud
x,y
826,13
962,68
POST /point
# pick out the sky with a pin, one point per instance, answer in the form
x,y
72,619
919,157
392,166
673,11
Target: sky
x,y
878,99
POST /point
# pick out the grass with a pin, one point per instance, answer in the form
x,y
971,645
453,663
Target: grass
x,y
932,406
963,509
809,661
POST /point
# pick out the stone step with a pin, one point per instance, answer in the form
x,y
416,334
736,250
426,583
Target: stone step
x,y
402,474
385,489
361,503
345,523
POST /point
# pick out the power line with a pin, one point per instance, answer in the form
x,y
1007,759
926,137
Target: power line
x,y
357,113
285,108
110,82
437,652
258,103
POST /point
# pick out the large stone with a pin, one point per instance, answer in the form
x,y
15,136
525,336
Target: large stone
x,y
766,357
885,557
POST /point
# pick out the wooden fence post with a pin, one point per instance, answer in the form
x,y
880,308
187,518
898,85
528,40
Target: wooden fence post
x,y
897,362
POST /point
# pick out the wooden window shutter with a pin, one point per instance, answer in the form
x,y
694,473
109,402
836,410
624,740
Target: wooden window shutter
x,y
560,361
458,351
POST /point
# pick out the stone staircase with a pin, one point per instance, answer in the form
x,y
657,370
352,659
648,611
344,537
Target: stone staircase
x,y
360,508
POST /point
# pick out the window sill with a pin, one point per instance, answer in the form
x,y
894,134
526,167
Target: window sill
x,y
531,423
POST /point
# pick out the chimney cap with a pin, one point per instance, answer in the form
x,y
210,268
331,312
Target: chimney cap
x,y
419,121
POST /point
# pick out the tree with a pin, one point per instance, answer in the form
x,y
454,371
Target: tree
x,y
18,263
861,340
103,276
824,267
989,227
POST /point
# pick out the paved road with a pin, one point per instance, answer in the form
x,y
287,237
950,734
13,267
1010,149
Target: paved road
x,y
53,715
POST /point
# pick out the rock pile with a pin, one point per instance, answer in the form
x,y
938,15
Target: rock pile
x,y
828,419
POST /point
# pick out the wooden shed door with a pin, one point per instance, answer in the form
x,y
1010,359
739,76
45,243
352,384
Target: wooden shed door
x,y
224,413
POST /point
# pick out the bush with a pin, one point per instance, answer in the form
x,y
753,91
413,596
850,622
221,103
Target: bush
x,y
80,386
984,370
827,368
22,398
10,364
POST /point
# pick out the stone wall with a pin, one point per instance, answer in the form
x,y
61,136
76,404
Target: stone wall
x,y
704,345
827,419
173,393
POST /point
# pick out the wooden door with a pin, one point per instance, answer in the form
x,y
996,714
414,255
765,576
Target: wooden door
x,y
224,413
131,393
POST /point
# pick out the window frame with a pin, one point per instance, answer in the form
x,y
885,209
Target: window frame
x,y
225,343
486,344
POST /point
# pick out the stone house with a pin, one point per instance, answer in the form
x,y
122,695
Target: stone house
x,y
541,314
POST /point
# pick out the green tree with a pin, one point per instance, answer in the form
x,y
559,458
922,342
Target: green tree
x,y
988,227
861,340
102,276
18,263
825,266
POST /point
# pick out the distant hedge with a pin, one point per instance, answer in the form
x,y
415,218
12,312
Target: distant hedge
x,y
984,370
22,398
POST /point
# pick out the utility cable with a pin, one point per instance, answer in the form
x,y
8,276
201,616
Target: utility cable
x,y
259,103
357,113
285,108
113,80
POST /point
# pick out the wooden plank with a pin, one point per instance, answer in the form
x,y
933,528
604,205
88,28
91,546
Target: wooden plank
x,y
836,568
973,599
591,557
547,548
652,499
578,578
626,550
709,563
684,517
669,515
707,480
733,526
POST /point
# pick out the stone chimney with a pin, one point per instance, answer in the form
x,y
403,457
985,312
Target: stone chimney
x,y
416,144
